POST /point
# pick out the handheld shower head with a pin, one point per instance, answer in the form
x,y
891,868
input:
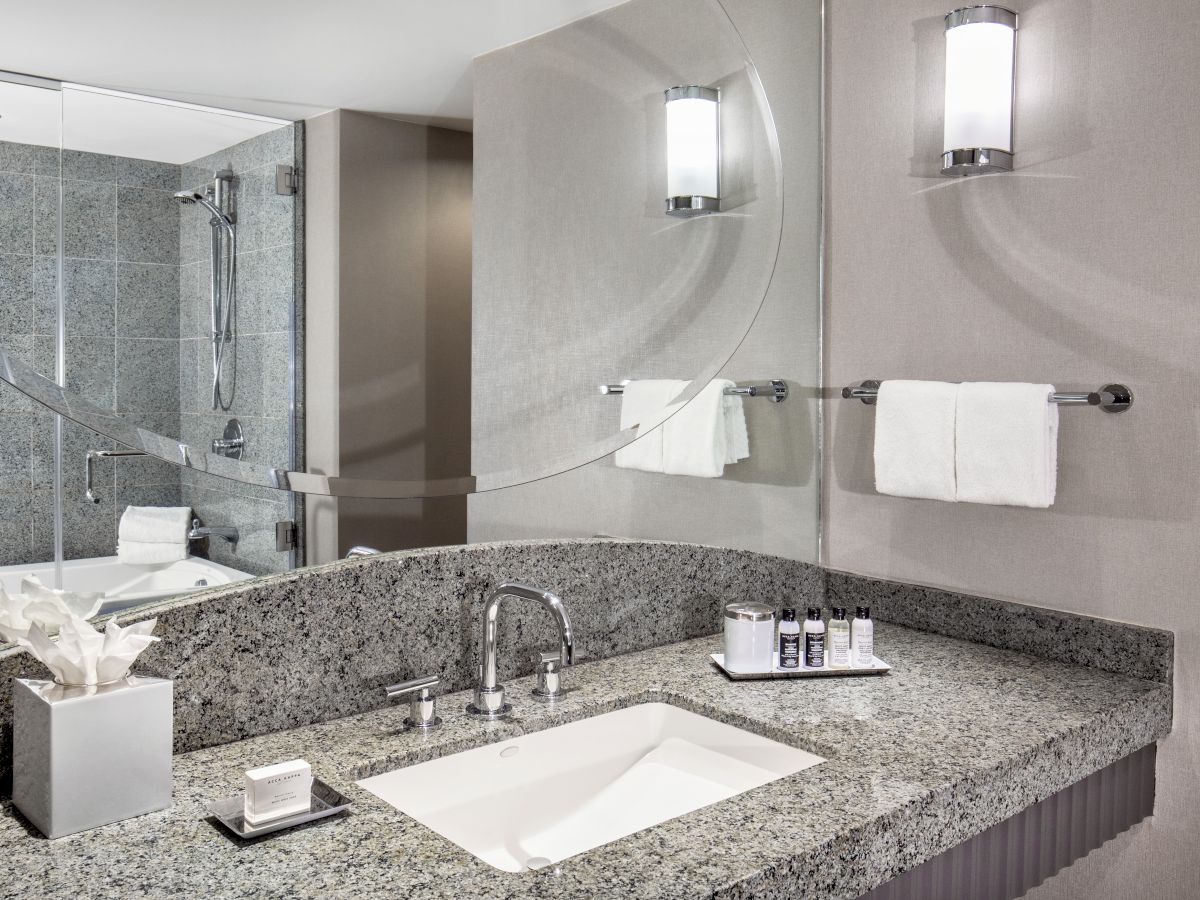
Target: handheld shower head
x,y
190,197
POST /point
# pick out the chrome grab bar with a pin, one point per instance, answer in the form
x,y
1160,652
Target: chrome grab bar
x,y
89,465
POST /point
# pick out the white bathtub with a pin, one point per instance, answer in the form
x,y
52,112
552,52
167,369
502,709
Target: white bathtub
x,y
124,585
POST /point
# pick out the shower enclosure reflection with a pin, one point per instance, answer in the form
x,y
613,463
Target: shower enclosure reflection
x,y
126,286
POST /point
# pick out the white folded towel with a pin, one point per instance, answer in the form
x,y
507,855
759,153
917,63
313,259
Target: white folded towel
x,y
699,438
644,405
150,535
914,439
1007,444
706,434
737,437
156,524
149,553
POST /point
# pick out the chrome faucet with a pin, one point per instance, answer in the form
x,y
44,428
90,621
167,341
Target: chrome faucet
x,y
489,693
360,551
228,532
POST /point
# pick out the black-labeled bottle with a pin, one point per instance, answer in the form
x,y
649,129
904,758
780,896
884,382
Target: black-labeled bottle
x,y
814,639
789,640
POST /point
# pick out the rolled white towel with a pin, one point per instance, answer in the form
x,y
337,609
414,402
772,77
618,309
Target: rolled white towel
x,y
155,524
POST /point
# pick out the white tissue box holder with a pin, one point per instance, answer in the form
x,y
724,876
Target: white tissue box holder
x,y
89,756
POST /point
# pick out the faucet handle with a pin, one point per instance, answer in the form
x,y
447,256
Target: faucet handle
x,y
422,705
548,666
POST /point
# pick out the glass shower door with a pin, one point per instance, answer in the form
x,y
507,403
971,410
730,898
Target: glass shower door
x,y
30,323
180,314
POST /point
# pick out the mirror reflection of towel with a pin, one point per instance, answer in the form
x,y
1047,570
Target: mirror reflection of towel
x,y
699,439
150,535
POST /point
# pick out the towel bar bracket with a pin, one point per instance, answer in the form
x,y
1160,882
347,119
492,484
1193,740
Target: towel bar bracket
x,y
867,392
1122,398
1112,398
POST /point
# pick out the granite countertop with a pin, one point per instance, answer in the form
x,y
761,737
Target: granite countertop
x,y
958,737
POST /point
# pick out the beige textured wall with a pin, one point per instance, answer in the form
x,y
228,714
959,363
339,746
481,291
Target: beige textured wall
x,y
625,322
1079,268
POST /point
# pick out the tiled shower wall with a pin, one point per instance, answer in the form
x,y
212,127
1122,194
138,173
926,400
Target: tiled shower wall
x,y
136,272
121,268
266,265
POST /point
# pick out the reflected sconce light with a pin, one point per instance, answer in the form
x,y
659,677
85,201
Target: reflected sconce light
x,y
693,150
980,53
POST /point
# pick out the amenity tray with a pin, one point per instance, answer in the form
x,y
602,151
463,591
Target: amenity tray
x,y
877,667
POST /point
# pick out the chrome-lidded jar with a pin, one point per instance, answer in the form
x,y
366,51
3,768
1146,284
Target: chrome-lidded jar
x,y
749,637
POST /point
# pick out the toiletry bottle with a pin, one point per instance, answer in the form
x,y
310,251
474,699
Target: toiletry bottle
x,y
814,639
789,640
838,640
862,638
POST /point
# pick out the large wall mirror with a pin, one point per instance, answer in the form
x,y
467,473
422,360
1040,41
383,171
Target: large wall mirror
x,y
243,315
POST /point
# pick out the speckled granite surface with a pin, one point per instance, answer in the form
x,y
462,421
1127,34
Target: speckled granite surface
x,y
957,738
317,644
1103,644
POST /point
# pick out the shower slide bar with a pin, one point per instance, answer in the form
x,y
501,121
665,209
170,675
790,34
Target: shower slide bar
x,y
1113,398
776,391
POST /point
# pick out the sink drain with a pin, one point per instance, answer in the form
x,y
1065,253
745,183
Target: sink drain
x,y
546,866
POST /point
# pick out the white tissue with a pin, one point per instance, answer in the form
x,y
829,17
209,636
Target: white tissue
x,y
83,656
38,604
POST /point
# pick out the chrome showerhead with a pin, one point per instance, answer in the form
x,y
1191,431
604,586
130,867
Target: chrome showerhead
x,y
190,197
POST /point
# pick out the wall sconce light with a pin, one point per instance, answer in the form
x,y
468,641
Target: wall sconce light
x,y
693,150
980,49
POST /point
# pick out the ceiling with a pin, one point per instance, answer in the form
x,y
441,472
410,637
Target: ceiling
x,y
286,58
120,124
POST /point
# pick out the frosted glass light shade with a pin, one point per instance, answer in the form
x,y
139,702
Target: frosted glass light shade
x,y
980,50
693,150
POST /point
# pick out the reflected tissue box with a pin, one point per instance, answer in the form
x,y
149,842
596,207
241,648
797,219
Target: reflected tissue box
x,y
88,756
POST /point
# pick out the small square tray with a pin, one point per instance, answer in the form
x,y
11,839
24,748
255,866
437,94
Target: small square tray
x,y
877,667
326,801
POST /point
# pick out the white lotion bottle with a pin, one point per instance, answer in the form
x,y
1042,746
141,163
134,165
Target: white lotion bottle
x,y
838,640
862,639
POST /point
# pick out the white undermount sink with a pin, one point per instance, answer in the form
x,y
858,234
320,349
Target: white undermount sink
x,y
538,799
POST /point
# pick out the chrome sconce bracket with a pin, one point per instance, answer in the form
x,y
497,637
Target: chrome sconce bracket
x,y
978,161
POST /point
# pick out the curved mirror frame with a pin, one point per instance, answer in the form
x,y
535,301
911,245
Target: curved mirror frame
x,y
77,408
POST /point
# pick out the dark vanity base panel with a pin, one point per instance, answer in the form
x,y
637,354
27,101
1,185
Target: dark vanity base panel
x,y
1018,854
1118,647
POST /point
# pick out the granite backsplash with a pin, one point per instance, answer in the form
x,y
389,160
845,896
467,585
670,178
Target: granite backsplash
x,y
320,643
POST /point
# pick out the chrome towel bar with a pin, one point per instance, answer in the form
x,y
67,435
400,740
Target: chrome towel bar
x,y
776,391
1113,398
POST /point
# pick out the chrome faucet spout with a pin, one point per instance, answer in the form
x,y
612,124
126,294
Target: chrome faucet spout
x,y
489,693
